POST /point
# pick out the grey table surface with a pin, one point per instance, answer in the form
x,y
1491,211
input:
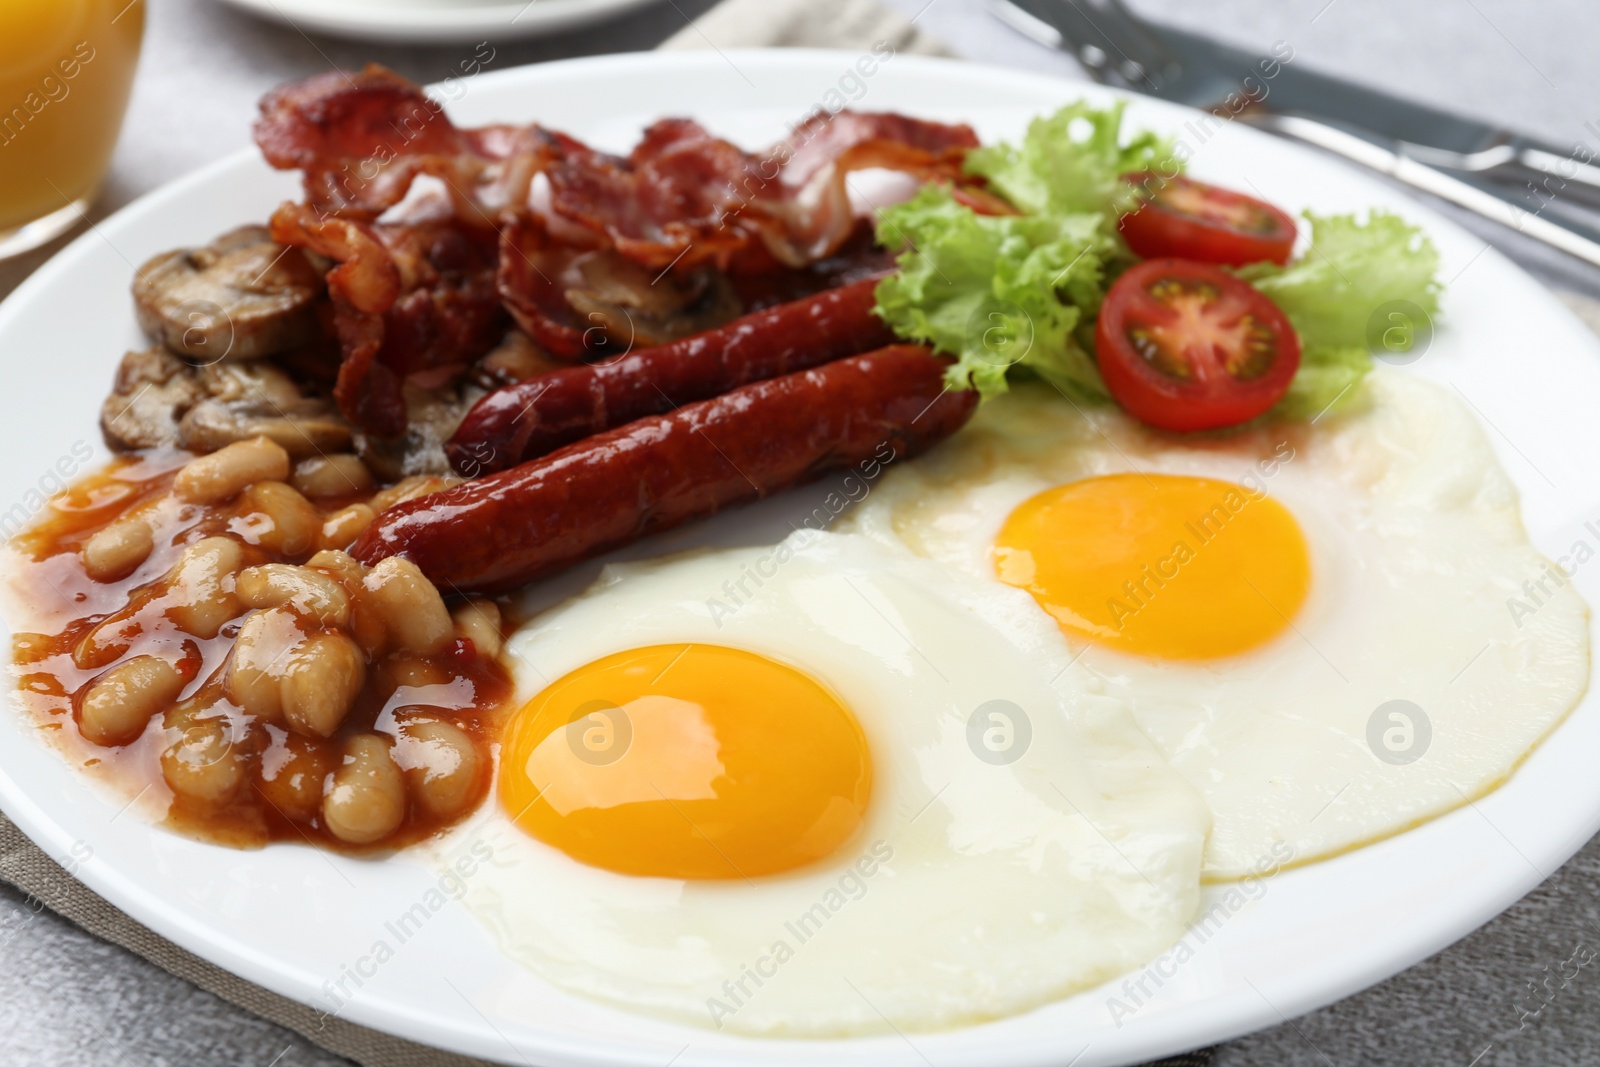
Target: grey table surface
x,y
67,998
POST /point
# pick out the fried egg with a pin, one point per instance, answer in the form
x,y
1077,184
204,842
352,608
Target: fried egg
x,y
866,795
1313,623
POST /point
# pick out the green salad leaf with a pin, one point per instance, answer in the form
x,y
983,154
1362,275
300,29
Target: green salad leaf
x,y
1019,294
1072,161
1362,285
996,291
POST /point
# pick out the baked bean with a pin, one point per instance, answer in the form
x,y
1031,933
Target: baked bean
x,y
201,593
107,642
338,475
293,769
213,478
306,592
444,770
478,620
368,631
413,671
366,622
340,565
366,798
401,490
279,519
411,488
229,658
30,648
324,677
413,612
262,652
121,702
117,550
341,529
203,763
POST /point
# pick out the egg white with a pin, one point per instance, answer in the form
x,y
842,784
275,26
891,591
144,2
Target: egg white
x,y
973,890
1416,549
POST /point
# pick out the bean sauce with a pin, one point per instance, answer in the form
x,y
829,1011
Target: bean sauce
x,y
356,714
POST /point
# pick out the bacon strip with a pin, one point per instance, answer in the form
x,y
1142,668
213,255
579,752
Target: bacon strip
x,y
590,303
406,299
665,204
815,144
682,197
360,139
591,253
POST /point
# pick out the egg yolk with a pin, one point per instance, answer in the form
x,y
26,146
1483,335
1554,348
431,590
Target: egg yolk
x,y
1159,565
687,761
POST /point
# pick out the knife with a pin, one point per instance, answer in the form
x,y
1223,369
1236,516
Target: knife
x,y
1199,72
1469,163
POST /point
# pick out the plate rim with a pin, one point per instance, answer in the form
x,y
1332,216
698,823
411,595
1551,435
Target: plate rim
x,y
1199,1020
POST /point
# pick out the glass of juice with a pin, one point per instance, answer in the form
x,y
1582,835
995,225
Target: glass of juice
x,y
65,70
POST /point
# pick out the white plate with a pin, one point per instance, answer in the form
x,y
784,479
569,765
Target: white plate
x,y
293,919
439,21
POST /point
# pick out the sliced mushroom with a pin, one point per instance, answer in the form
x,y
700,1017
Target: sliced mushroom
x,y
245,400
623,302
153,389
241,297
161,399
432,418
515,358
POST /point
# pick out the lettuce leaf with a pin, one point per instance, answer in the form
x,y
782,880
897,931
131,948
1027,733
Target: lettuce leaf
x,y
996,291
1071,162
1363,283
1023,291
1326,379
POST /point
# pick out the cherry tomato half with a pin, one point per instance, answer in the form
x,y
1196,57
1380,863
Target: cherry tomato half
x,y
1187,346
1192,220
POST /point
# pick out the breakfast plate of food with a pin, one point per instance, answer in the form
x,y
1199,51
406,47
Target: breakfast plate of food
x,y
795,556
439,21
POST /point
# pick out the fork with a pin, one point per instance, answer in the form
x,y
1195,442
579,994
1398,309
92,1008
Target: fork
x,y
1122,49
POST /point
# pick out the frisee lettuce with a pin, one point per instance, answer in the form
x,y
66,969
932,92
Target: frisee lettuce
x,y
1070,162
1022,291
996,291
1361,283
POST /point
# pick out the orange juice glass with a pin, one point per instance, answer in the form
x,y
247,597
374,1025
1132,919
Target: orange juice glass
x,y
65,70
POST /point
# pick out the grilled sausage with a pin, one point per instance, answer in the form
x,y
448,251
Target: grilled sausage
x,y
615,487
526,420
